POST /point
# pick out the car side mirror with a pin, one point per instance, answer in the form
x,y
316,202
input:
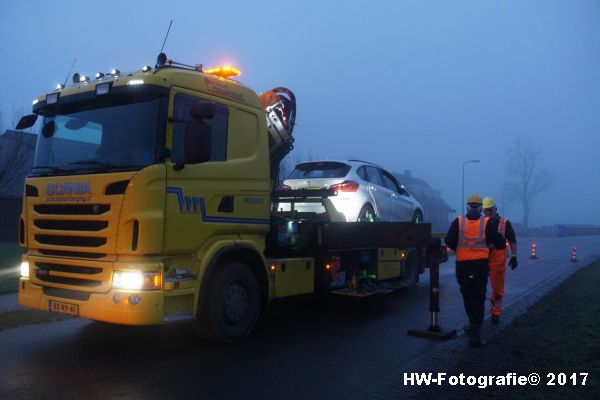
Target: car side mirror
x,y
403,190
27,121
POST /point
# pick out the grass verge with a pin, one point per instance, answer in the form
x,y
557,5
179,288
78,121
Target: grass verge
x,y
558,334
10,257
12,319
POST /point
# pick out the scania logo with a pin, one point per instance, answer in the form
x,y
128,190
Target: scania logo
x,y
96,209
68,188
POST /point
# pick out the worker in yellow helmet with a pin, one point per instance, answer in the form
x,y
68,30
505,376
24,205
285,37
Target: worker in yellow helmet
x,y
471,236
498,257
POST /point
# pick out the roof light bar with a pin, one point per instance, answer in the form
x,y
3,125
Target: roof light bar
x,y
224,71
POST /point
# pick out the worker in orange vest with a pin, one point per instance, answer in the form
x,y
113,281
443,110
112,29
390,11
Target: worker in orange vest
x,y
470,236
498,257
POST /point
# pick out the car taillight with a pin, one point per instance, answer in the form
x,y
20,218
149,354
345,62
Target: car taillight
x,y
346,186
284,187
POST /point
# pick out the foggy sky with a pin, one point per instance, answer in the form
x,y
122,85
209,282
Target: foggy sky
x,y
419,85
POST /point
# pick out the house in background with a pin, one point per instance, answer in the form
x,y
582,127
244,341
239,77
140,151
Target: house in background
x,y
435,209
16,159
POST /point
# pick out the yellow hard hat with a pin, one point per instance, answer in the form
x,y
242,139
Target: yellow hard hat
x,y
474,199
488,202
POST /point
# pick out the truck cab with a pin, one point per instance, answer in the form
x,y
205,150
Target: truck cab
x,y
141,182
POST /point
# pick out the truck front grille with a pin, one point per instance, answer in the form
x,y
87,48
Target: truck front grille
x,y
78,229
72,209
78,276
79,241
73,269
61,225
72,254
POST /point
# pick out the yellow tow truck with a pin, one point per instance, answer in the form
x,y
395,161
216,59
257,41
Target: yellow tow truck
x,y
151,200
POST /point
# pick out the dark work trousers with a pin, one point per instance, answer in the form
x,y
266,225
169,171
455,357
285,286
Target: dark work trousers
x,y
472,276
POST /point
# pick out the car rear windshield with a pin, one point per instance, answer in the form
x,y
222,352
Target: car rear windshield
x,y
315,170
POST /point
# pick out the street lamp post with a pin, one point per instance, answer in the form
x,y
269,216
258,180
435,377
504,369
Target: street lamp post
x,y
462,201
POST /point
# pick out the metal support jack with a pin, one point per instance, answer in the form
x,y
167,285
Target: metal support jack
x,y
434,331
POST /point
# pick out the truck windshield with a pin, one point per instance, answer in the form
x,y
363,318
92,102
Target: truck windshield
x,y
82,138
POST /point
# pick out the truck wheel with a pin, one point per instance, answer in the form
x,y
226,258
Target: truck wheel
x,y
234,303
410,268
367,214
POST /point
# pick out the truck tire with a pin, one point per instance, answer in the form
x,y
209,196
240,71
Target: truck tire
x,y
234,304
410,268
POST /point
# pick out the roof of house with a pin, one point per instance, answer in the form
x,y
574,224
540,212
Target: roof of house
x,y
423,192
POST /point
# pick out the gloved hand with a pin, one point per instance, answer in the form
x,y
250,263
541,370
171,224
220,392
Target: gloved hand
x,y
513,262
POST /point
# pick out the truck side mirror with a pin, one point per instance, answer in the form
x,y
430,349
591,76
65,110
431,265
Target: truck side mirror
x,y
203,110
197,142
48,129
197,137
27,121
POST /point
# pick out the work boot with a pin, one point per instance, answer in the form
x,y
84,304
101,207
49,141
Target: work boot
x,y
495,319
475,336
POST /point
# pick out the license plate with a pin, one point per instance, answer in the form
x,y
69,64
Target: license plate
x,y
63,308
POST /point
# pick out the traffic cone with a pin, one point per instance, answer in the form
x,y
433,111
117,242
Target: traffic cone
x,y
533,251
574,254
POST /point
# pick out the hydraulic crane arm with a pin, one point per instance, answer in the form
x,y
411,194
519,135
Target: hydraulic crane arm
x,y
280,108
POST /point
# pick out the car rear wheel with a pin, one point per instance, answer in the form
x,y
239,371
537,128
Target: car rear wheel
x,y
367,214
417,217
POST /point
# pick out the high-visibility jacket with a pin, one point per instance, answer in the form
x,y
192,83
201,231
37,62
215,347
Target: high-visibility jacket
x,y
471,239
498,257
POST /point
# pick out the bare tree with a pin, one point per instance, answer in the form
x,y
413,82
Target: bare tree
x,y
15,155
526,178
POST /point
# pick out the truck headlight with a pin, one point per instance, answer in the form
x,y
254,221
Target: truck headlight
x,y
25,269
136,280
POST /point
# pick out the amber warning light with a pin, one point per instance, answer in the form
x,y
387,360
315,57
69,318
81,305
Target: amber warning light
x,y
224,71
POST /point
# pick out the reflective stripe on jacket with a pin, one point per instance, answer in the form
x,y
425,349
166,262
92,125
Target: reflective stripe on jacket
x,y
471,239
498,257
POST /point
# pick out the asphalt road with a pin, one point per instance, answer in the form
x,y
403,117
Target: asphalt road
x,y
300,349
